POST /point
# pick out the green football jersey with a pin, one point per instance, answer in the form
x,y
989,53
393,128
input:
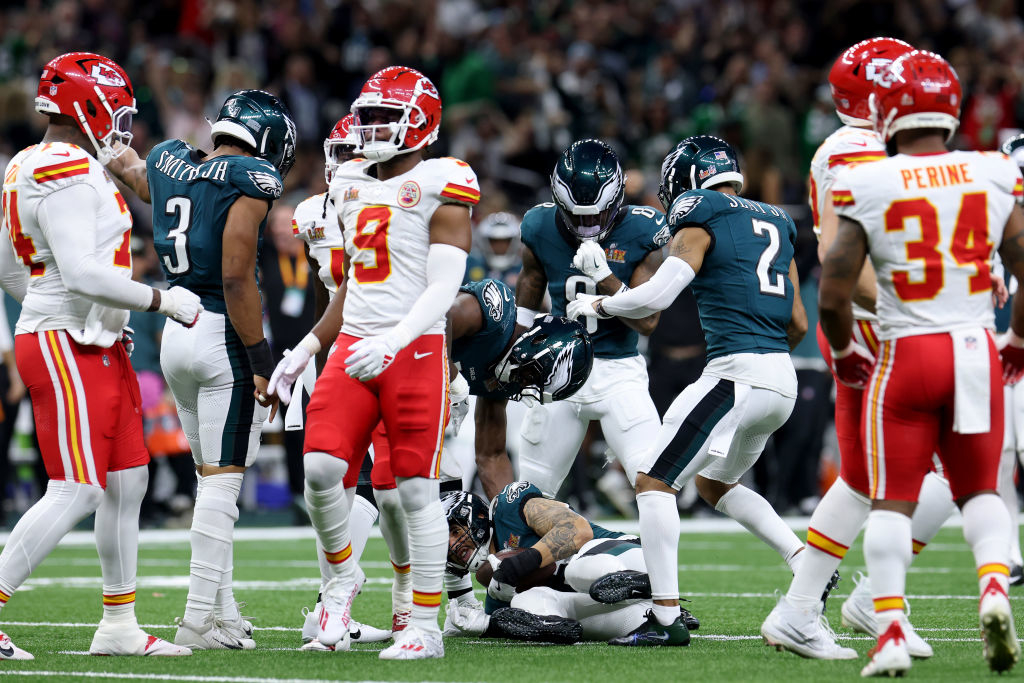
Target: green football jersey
x,y
640,231
743,288
191,197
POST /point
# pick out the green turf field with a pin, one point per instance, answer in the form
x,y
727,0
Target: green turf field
x,y
729,577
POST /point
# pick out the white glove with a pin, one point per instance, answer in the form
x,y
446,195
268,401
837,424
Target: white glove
x,y
465,617
372,355
287,371
458,393
591,261
127,341
180,305
583,305
497,589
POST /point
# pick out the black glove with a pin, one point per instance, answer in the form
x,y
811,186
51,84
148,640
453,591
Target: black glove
x,y
514,568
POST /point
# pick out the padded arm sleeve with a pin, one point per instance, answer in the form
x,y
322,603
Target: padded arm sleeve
x,y
655,295
68,220
446,265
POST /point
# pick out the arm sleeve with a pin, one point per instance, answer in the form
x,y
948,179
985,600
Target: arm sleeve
x,y
68,220
655,295
13,273
446,265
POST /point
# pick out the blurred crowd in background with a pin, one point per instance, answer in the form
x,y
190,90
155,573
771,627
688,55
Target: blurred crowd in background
x,y
519,81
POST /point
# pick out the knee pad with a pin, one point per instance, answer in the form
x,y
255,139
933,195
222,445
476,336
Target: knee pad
x,y
416,492
323,471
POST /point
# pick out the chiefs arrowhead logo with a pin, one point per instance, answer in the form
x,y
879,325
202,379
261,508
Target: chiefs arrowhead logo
x,y
104,75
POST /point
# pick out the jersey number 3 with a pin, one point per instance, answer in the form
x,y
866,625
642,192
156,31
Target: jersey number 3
x,y
180,207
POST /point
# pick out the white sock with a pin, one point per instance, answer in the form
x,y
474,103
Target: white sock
x,y
987,530
428,547
213,526
1008,492
934,506
329,505
37,533
117,540
659,534
459,585
832,530
226,607
361,520
887,552
759,518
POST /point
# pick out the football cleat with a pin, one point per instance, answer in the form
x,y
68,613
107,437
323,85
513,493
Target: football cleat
x,y
692,623
858,614
239,627
8,650
130,640
802,631
310,621
364,633
890,656
518,624
316,646
622,585
653,633
832,584
204,636
400,620
1002,650
336,613
1016,575
415,643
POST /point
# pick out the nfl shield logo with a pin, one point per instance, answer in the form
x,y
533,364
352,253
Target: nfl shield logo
x,y
409,194
971,343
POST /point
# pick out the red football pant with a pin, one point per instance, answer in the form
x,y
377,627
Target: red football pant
x,y
849,434
410,398
908,416
86,404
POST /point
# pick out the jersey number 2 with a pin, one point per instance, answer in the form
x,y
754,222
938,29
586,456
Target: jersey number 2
x,y
766,283
181,207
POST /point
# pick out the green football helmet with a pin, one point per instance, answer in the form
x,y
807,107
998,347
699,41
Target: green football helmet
x,y
588,187
1014,148
549,362
697,163
262,122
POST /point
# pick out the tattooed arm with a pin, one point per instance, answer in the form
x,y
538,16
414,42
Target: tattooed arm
x,y
839,274
562,531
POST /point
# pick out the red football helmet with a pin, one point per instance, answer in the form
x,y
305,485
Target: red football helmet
x,y
398,101
339,147
854,73
919,90
94,91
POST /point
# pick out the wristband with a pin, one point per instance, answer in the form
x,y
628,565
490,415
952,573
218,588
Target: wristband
x,y
599,307
311,344
525,316
839,354
261,359
514,568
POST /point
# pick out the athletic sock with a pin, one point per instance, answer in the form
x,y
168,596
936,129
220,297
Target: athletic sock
x,y
457,586
832,530
887,552
117,541
329,514
361,519
213,525
986,529
934,506
394,529
659,534
428,550
1008,492
759,518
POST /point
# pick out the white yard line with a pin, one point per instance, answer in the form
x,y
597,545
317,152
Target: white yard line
x,y
173,677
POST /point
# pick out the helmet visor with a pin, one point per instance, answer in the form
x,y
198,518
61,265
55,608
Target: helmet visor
x,y
121,130
589,226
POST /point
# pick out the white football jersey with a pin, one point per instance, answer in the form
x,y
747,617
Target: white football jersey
x,y
32,175
847,146
933,222
387,235
315,222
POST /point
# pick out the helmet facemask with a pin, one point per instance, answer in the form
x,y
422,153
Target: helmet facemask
x,y
469,532
398,119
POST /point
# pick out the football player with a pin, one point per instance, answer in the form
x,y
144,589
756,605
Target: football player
x,y
406,223
598,590
929,219
738,255
588,241
209,211
498,246
68,261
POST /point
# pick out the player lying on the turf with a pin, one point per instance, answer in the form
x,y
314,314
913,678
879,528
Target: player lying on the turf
x,y
555,577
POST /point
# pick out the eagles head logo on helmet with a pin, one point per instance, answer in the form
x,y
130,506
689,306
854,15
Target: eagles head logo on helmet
x,y
262,123
548,362
95,92
698,162
588,187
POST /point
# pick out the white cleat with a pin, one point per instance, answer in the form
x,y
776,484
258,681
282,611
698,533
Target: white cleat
x,y
130,640
205,636
364,633
8,650
804,632
336,614
858,614
890,656
415,643
316,646
310,622
998,633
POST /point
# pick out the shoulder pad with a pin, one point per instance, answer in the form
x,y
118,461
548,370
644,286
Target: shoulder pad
x,y
690,208
59,164
457,182
256,178
518,490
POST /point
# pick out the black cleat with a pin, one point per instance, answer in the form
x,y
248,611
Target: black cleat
x,y
1016,575
518,624
652,634
829,587
691,622
619,586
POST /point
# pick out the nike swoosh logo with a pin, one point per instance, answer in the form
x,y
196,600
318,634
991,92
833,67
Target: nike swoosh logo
x,y
663,636
58,154
7,652
417,355
470,180
858,143
357,634
660,221
505,294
